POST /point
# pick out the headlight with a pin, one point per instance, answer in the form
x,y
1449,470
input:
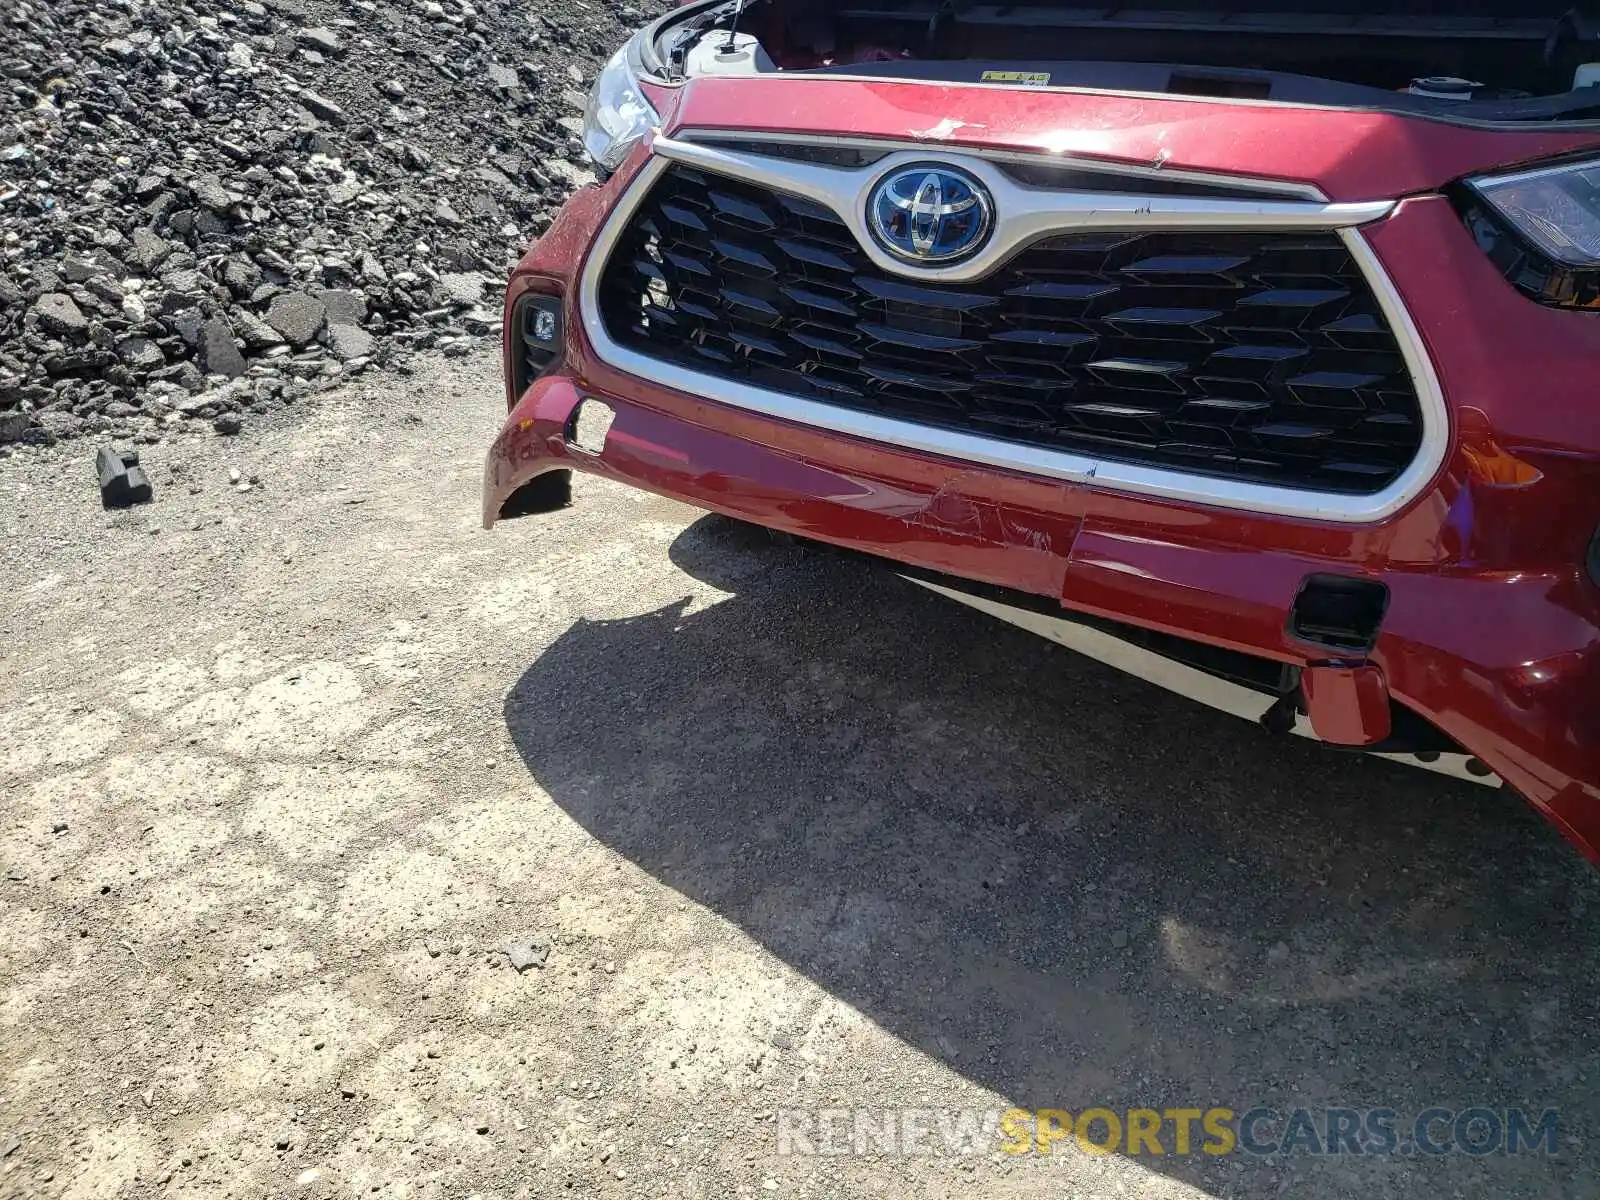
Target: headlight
x,y
1556,208
618,115
1542,229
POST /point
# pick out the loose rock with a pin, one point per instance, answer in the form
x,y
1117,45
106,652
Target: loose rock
x,y
296,316
321,39
58,313
219,353
322,107
462,287
348,341
530,951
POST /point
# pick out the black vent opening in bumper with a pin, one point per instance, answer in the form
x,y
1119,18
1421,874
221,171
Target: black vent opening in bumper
x,y
1259,355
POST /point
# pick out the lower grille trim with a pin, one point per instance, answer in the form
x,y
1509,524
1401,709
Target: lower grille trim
x,y
1069,467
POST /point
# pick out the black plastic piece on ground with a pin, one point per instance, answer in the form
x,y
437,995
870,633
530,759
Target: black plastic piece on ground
x,y
542,494
123,482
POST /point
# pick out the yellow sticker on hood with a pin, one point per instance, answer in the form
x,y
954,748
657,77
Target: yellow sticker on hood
x,y
1026,78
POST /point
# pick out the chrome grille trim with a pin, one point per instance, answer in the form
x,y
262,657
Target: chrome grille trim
x,y
1027,215
1289,189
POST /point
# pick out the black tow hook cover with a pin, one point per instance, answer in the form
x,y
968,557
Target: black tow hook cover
x,y
123,482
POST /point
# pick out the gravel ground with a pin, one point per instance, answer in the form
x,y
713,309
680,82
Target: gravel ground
x,y
286,766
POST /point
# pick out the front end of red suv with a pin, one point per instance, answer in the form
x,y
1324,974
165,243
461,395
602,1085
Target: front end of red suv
x,y
1286,405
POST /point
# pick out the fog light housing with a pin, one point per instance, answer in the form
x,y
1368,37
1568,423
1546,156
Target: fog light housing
x,y
537,348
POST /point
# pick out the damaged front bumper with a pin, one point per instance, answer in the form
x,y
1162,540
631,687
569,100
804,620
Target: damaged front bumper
x,y
1499,666
1461,632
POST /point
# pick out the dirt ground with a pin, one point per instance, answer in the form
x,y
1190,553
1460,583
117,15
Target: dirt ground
x,y
285,769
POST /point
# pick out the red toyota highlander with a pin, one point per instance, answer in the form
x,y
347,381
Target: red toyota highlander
x,y
1250,346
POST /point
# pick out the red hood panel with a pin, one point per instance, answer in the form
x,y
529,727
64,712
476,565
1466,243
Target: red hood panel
x,y
1350,155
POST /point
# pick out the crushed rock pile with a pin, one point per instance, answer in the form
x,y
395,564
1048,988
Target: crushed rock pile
x,y
211,209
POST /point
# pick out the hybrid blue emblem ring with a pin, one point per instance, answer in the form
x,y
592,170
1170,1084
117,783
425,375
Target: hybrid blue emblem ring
x,y
930,214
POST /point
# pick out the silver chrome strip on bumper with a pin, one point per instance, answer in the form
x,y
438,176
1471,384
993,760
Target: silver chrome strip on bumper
x,y
1176,677
1036,214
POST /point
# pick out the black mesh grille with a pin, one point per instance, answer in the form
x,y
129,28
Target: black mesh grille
x,y
1256,355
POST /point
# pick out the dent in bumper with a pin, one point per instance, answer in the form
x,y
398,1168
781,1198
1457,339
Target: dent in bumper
x,y
1506,665
1492,634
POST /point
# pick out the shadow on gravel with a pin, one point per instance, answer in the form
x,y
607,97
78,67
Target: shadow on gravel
x,y
1068,886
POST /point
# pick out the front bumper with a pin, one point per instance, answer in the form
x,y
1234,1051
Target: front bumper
x,y
1492,629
